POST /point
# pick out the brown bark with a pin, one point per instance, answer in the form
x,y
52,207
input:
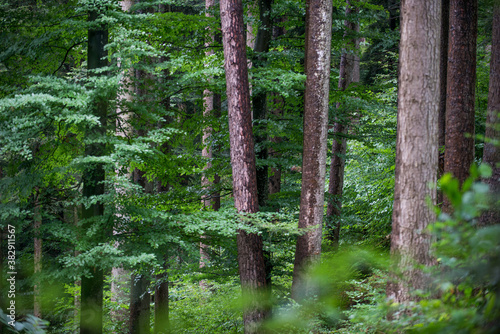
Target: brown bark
x,y
349,72
250,253
318,46
443,73
491,153
417,145
461,81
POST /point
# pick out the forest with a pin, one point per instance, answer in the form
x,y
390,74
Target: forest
x,y
249,166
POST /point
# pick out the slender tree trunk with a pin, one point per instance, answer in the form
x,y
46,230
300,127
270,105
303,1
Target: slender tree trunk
x,y
277,103
318,46
491,153
461,84
277,109
140,300
259,101
93,185
443,73
259,105
349,72
211,105
417,145
250,252
162,321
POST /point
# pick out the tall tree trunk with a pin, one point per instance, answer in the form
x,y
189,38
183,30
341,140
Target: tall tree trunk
x,y
417,144
250,252
162,321
349,72
140,300
259,101
461,84
491,153
93,185
161,294
443,74
318,46
277,109
211,105
259,105
277,103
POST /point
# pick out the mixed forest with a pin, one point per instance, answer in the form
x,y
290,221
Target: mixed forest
x,y
249,166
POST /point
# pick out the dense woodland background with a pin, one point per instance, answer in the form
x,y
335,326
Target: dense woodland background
x,y
115,168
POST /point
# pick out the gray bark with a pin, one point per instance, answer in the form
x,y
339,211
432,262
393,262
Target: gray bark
x,y
417,145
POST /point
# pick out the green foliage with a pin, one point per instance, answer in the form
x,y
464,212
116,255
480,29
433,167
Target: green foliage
x,y
32,325
154,88
465,280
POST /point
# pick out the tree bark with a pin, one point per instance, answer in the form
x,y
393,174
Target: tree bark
x,y
162,321
259,101
491,153
461,84
140,300
93,185
443,74
417,145
349,73
318,46
250,252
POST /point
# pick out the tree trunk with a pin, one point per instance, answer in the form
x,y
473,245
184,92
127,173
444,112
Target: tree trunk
x,y
162,324
259,101
491,153
349,72
443,74
93,185
277,109
318,46
211,105
277,103
140,300
250,253
417,145
461,84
